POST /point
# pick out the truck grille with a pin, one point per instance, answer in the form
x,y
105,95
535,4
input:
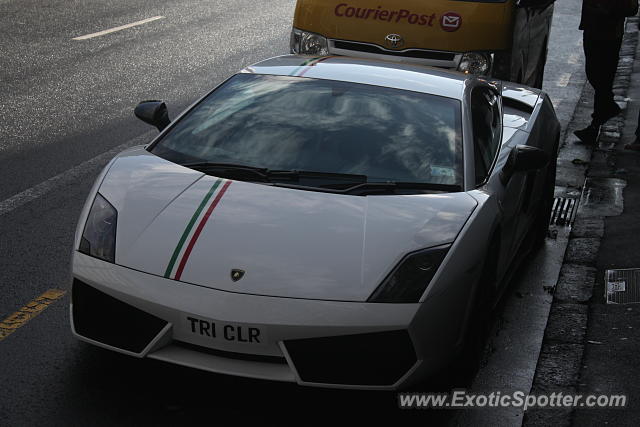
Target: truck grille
x,y
409,53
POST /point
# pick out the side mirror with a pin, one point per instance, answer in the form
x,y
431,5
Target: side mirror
x,y
154,113
523,158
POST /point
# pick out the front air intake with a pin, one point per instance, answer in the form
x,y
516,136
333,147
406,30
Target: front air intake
x,y
374,359
107,320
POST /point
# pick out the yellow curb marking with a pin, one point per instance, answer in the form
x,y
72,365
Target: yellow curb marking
x,y
28,312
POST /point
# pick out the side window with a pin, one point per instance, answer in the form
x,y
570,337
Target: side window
x,y
487,130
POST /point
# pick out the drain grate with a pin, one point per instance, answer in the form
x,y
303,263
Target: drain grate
x,y
563,211
623,286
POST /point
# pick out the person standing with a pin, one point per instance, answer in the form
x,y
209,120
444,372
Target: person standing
x,y
602,23
635,145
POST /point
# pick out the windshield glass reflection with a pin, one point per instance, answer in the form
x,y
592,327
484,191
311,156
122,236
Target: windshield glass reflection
x,y
291,123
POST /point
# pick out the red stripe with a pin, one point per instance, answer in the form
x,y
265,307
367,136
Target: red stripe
x,y
195,236
312,65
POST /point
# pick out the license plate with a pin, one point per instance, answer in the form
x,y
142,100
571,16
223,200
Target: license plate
x,y
224,332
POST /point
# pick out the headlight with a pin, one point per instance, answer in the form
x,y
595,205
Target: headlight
x,y
408,281
478,63
305,43
99,235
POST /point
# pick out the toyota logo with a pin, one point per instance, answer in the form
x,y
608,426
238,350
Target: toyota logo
x,y
394,41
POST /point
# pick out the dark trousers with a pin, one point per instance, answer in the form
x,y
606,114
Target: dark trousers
x,y
601,65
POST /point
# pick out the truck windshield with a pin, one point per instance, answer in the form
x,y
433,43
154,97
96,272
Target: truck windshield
x,y
293,123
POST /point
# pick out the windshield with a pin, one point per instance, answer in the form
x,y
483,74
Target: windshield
x,y
302,124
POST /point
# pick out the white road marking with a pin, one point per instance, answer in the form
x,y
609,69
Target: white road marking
x,y
563,80
574,58
122,27
68,177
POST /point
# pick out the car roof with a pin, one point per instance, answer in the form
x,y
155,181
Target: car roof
x,y
403,76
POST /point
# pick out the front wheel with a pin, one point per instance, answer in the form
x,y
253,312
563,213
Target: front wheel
x,y
473,353
540,227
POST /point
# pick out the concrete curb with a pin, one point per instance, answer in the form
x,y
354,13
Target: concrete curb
x,y
558,368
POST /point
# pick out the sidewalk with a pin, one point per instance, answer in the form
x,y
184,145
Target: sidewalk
x,y
591,347
611,362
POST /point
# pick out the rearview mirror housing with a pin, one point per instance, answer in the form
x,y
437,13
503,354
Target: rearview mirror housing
x,y
523,158
154,113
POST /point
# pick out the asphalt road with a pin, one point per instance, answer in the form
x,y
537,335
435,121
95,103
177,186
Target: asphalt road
x,y
64,103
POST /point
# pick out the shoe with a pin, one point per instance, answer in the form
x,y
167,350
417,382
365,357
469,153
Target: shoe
x,y
588,135
634,146
613,111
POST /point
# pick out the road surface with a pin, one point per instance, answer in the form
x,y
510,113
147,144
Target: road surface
x,y
68,85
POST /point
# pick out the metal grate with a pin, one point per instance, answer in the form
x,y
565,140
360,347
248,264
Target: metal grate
x,y
563,211
622,286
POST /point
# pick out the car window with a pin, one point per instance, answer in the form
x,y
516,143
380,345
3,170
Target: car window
x,y
487,130
292,123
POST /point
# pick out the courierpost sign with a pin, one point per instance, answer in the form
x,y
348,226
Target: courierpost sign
x,y
449,21
404,16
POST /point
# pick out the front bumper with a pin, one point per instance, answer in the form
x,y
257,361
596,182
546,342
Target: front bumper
x,y
310,342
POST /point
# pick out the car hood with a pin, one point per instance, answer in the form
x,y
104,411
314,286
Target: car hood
x,y
178,223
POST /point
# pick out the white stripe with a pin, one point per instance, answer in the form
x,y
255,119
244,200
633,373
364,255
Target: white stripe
x,y
67,177
113,30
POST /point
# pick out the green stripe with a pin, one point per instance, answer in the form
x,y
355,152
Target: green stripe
x,y
304,64
187,230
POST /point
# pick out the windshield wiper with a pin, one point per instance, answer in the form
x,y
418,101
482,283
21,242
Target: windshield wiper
x,y
316,174
366,188
373,187
268,174
211,166
340,181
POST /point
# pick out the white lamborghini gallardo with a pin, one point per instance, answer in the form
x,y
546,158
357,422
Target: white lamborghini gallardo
x,y
329,221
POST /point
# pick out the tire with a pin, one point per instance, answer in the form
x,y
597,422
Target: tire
x,y
540,227
479,324
462,367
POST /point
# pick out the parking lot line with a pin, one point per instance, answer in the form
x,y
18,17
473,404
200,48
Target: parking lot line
x,y
114,29
28,312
